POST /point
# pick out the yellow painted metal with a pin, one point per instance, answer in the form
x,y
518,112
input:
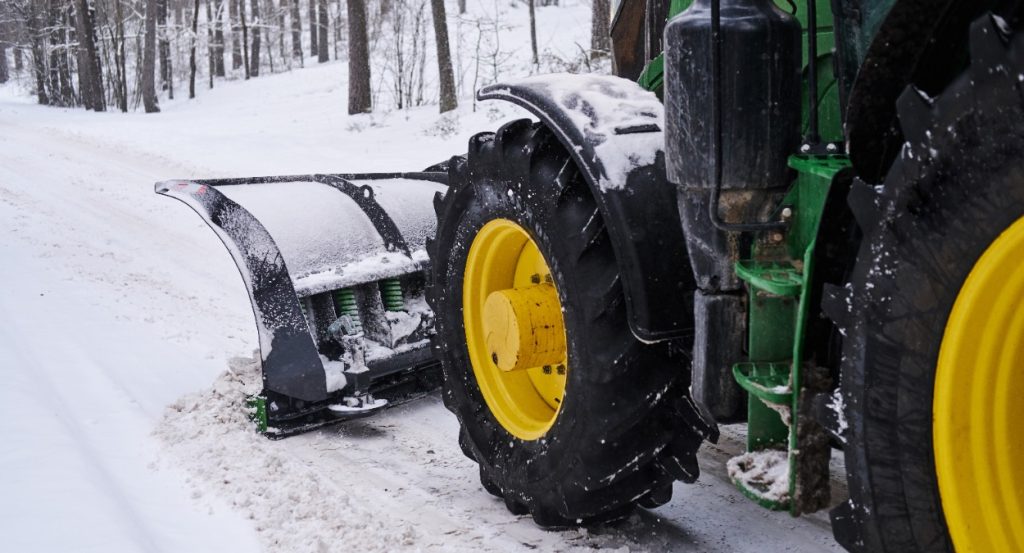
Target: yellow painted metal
x,y
978,410
515,334
523,327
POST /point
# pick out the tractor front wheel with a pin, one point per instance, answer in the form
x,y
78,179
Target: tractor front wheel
x,y
570,417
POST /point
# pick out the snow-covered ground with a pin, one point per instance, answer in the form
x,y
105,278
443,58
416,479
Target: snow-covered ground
x,y
126,331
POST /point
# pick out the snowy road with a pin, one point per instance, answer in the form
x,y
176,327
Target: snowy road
x,y
116,303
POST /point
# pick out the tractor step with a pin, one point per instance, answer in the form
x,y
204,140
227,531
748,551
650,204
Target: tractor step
x,y
768,381
780,279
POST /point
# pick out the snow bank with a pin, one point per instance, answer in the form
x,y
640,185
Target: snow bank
x,y
293,507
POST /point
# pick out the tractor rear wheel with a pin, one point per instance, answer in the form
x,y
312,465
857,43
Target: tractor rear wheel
x,y
932,376
570,417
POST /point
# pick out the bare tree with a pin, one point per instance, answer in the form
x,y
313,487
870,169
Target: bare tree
x,y
280,10
600,31
218,37
192,51
359,100
321,32
90,74
5,72
149,99
34,22
314,45
211,45
236,34
533,32
444,57
254,57
166,71
62,89
120,64
245,37
296,30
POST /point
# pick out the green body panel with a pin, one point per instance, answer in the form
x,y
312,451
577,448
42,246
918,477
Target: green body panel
x,y
778,284
779,271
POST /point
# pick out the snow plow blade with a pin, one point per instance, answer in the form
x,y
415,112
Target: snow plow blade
x,y
334,269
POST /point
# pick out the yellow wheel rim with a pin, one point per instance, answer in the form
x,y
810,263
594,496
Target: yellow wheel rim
x,y
978,422
515,333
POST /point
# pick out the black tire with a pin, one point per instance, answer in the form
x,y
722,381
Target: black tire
x,y
627,427
957,185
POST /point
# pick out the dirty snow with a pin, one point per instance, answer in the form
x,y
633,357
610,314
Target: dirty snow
x,y
766,472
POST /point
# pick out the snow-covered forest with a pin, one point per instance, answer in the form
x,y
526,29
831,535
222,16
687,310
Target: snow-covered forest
x,y
132,54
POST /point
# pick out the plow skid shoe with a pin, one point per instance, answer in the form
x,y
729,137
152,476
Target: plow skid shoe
x,y
333,265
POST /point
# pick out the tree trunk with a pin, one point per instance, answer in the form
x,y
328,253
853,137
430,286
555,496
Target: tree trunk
x,y
254,57
218,38
166,71
236,34
192,52
33,28
314,44
149,99
211,46
533,32
62,90
90,72
321,32
245,37
462,6
444,57
19,64
359,100
6,39
121,89
600,31
39,63
280,10
296,29
337,28
4,71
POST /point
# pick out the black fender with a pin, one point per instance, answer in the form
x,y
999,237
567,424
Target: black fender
x,y
613,130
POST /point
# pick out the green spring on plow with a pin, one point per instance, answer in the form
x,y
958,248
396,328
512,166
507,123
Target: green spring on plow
x,y
345,304
391,294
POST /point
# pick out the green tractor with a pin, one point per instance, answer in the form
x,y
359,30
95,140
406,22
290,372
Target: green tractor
x,y
808,216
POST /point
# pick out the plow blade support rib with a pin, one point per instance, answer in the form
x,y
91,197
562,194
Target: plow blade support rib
x,y
296,236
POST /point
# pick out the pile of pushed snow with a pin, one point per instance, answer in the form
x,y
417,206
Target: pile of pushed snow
x,y
765,472
293,507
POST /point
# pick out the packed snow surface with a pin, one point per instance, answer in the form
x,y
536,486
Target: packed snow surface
x,y
123,420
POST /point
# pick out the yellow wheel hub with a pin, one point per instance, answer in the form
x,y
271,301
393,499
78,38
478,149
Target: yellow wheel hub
x,y
978,410
514,329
